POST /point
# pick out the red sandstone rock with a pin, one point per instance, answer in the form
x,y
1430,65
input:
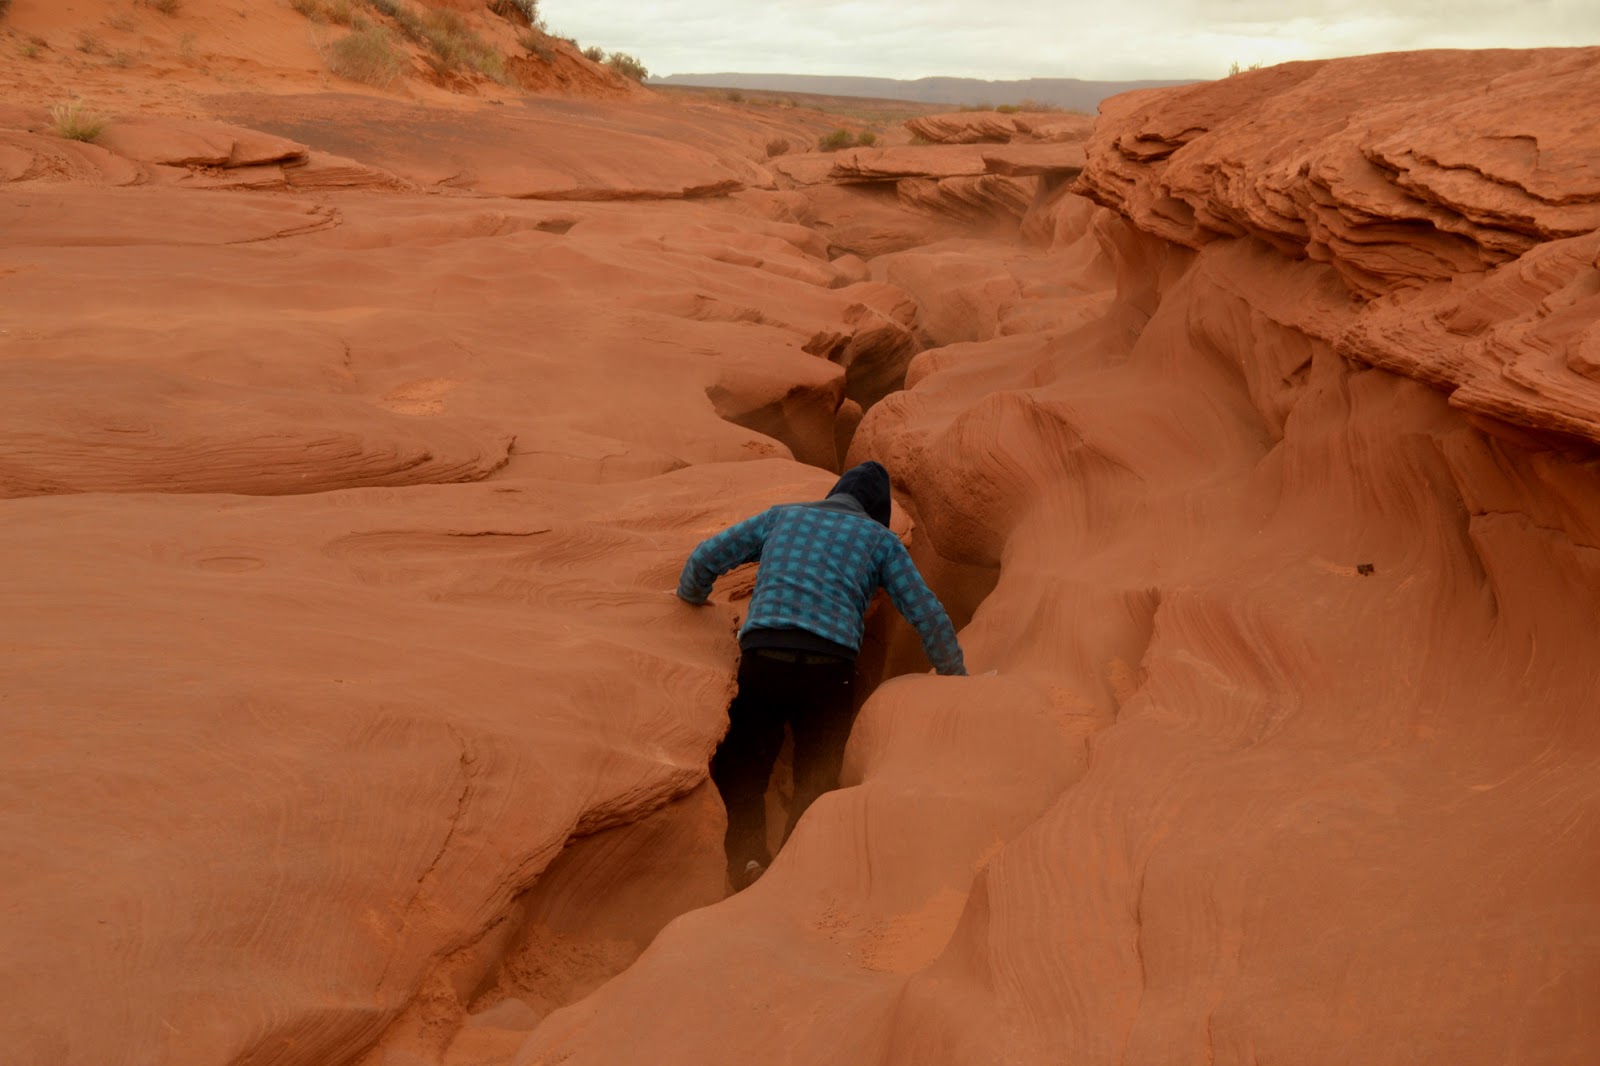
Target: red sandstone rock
x,y
976,200
197,144
973,127
892,164
1344,162
1289,586
964,127
1029,160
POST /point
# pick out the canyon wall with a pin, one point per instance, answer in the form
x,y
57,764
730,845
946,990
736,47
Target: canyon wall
x,y
1289,751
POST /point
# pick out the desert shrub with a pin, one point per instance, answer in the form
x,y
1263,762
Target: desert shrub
x,y
444,21
627,66
453,45
778,146
5,5
535,44
520,11
76,122
368,56
89,44
1235,68
840,138
338,12
1008,109
490,65
169,8
404,17
1028,103
867,139
734,96
595,54
124,59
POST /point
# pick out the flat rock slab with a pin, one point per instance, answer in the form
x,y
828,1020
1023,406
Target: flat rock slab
x,y
911,161
543,149
195,143
1032,160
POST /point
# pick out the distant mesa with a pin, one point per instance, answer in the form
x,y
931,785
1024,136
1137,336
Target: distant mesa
x,y
1067,93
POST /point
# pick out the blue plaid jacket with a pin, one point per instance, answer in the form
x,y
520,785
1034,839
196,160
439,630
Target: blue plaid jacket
x,y
820,565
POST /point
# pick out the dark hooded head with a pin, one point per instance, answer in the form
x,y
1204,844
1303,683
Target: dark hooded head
x,y
869,484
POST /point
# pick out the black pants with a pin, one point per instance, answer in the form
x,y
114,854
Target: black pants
x,y
813,694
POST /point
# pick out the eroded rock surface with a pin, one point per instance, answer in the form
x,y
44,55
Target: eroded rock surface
x,y
1305,644
350,718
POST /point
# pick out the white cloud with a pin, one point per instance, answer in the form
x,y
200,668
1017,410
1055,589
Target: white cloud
x,y
1034,38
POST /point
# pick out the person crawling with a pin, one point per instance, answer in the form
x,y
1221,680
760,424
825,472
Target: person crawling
x,y
821,564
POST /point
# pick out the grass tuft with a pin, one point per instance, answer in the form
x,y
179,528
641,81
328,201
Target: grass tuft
x,y
367,56
75,122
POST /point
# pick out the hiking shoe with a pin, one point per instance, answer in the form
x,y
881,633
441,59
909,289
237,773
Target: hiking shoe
x,y
752,872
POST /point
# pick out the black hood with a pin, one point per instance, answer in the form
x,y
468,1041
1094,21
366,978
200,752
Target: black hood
x,y
869,484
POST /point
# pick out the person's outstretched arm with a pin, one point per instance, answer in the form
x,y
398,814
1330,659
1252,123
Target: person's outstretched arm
x,y
715,556
913,598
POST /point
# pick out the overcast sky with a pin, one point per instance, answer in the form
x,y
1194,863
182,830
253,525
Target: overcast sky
x,y
1006,39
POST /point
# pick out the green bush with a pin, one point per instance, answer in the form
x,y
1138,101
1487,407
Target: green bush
x,y
368,56
867,139
595,54
840,138
627,66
